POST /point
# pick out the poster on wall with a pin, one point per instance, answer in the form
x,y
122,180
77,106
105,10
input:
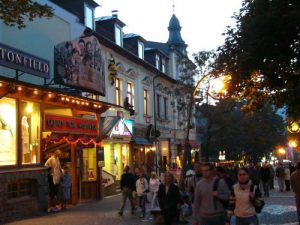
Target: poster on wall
x,y
80,64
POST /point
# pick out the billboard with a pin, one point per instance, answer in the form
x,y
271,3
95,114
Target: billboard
x,y
80,64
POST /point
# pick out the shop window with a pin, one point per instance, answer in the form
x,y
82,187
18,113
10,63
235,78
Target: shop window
x,y
146,102
22,188
89,164
8,139
30,132
118,91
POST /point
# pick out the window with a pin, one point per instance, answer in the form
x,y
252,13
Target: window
x,y
146,102
118,35
141,49
88,16
118,91
30,132
165,108
89,164
8,132
158,106
163,65
22,188
157,61
130,93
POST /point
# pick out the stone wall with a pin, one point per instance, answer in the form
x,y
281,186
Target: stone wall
x,y
17,207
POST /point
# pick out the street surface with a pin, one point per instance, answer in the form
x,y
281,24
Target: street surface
x,y
279,209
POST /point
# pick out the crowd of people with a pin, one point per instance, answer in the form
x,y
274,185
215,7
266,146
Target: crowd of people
x,y
212,195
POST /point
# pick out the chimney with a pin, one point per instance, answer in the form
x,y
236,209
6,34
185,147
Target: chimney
x,y
114,13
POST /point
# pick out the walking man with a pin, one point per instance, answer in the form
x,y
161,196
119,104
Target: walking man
x,y
265,177
295,182
193,180
127,186
208,208
280,176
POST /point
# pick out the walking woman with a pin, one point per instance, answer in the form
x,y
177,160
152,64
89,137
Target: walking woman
x,y
243,197
153,186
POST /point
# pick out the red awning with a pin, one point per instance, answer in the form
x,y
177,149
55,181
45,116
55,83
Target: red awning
x,y
73,138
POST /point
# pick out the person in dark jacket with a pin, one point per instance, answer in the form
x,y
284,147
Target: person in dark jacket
x,y
127,186
168,198
265,178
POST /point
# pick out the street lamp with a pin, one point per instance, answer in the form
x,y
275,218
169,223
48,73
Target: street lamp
x,y
219,85
293,127
281,151
293,143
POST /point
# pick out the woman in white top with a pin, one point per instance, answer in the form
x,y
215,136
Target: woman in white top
x,y
153,186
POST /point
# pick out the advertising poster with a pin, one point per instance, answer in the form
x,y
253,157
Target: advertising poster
x,y
80,64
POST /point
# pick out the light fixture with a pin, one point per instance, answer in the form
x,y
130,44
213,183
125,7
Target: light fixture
x,y
293,143
1,84
73,101
62,98
67,99
35,92
19,88
49,95
29,108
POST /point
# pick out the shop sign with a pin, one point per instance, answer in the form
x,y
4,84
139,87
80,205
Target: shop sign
x,y
123,128
100,156
19,60
70,125
80,63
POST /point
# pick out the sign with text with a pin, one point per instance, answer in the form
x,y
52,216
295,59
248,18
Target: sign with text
x,y
80,64
122,129
25,62
70,125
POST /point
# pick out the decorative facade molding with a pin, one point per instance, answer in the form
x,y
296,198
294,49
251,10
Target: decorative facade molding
x,y
147,81
131,74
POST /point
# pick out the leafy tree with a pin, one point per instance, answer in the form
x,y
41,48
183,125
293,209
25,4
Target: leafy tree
x,y
14,12
262,54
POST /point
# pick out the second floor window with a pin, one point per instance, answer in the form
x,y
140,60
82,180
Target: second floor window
x,y
88,16
165,116
118,36
130,93
146,102
141,50
163,65
158,103
118,91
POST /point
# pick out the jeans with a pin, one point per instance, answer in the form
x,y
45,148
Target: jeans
x,y
216,220
266,187
143,200
252,220
126,193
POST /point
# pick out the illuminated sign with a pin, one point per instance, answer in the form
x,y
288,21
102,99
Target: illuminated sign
x,y
70,125
19,60
121,129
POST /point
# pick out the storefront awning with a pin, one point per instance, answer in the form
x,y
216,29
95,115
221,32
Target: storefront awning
x,y
73,138
108,123
141,141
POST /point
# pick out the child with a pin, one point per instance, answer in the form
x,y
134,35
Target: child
x,y
65,183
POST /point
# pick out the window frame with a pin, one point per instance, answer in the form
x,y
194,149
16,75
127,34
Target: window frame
x,y
158,107
130,93
120,35
141,49
165,108
146,102
157,61
118,91
87,6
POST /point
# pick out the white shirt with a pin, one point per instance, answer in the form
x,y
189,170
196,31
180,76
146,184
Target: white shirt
x,y
141,186
154,185
54,163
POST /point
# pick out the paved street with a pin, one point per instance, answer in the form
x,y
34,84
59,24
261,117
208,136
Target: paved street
x,y
280,209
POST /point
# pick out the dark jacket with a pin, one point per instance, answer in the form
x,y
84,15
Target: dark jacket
x,y
168,201
127,180
265,174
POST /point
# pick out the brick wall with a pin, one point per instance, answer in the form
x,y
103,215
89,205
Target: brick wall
x,y
17,207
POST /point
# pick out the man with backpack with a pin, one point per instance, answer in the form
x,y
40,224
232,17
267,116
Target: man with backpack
x,y
208,207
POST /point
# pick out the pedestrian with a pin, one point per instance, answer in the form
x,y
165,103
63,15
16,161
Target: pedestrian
x,y
142,188
127,186
168,198
153,187
244,209
193,180
65,184
255,174
265,177
295,182
280,176
272,176
287,177
134,195
54,174
208,208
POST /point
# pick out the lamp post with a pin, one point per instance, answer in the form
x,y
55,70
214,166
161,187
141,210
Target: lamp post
x,y
220,86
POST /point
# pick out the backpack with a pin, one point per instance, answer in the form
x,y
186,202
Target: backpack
x,y
225,203
257,202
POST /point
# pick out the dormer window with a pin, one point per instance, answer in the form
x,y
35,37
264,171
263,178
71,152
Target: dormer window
x,y
118,35
157,61
89,16
163,65
141,49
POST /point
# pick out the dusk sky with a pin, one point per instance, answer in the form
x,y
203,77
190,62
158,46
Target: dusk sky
x,y
202,21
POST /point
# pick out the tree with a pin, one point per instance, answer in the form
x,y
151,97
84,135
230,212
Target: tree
x,y
240,133
14,12
262,54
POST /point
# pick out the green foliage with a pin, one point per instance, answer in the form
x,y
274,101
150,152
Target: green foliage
x,y
14,12
239,133
262,54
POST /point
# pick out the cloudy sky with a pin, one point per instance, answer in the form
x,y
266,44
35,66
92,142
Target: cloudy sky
x,y
202,21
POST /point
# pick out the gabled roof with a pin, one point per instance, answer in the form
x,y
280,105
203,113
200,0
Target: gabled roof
x,y
132,35
106,18
163,47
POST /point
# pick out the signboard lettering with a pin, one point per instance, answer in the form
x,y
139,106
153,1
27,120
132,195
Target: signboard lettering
x,y
19,60
70,124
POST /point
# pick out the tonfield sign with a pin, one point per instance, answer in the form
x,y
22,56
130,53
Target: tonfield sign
x,y
70,125
25,62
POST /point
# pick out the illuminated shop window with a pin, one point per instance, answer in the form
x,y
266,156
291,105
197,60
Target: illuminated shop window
x,y
30,132
8,134
89,164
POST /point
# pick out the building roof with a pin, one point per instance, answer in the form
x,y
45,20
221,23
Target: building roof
x,y
132,35
174,32
163,47
106,18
